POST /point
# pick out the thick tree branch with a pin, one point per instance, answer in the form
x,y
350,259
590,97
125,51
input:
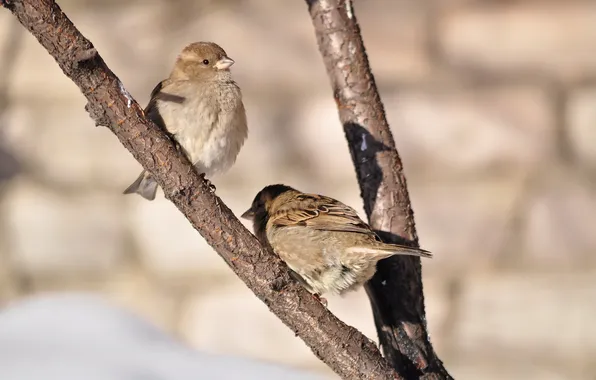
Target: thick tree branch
x,y
396,290
343,348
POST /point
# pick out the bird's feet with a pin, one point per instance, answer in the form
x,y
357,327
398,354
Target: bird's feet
x,y
212,187
177,145
320,299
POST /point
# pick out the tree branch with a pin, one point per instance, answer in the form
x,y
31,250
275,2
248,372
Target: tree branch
x,y
343,348
395,291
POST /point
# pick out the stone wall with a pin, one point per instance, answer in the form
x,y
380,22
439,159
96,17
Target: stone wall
x,y
493,107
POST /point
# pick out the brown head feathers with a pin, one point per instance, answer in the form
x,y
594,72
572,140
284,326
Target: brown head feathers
x,y
201,60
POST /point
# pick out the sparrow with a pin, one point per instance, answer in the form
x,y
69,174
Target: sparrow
x,y
200,106
328,248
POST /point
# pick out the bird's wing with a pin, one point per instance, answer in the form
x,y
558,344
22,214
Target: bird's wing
x,y
154,93
320,213
160,93
163,92
152,111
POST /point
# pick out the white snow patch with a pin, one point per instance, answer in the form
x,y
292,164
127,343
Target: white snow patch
x,y
126,94
78,336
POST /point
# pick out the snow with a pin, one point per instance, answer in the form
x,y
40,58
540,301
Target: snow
x,y
79,336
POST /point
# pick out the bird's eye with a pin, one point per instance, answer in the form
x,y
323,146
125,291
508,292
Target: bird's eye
x,y
205,62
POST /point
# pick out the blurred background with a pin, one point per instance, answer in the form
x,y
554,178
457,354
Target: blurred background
x,y
493,108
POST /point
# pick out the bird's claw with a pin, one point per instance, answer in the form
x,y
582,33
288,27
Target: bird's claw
x,y
212,187
320,299
178,146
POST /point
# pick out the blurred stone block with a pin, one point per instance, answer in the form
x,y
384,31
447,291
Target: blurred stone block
x,y
133,58
396,37
491,367
9,167
135,290
463,223
581,119
36,74
9,281
515,316
561,221
551,38
437,306
6,22
59,143
228,318
322,140
167,242
265,155
68,234
471,129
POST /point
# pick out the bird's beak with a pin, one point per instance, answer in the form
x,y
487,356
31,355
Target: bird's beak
x,y
248,214
224,63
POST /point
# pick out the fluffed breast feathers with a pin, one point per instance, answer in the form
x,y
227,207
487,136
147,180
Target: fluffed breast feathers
x,y
210,123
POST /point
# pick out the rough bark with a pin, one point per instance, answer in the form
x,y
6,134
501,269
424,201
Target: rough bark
x,y
395,291
341,347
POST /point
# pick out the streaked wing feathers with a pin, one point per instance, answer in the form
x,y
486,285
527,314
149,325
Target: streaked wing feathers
x,y
151,111
158,93
321,213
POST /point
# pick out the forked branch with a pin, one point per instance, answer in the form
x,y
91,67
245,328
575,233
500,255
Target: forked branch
x,y
349,353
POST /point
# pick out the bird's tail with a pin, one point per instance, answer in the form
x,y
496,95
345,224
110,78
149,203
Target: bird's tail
x,y
383,251
144,185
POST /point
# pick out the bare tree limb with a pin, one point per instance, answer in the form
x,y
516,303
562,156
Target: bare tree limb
x,y
343,348
395,291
